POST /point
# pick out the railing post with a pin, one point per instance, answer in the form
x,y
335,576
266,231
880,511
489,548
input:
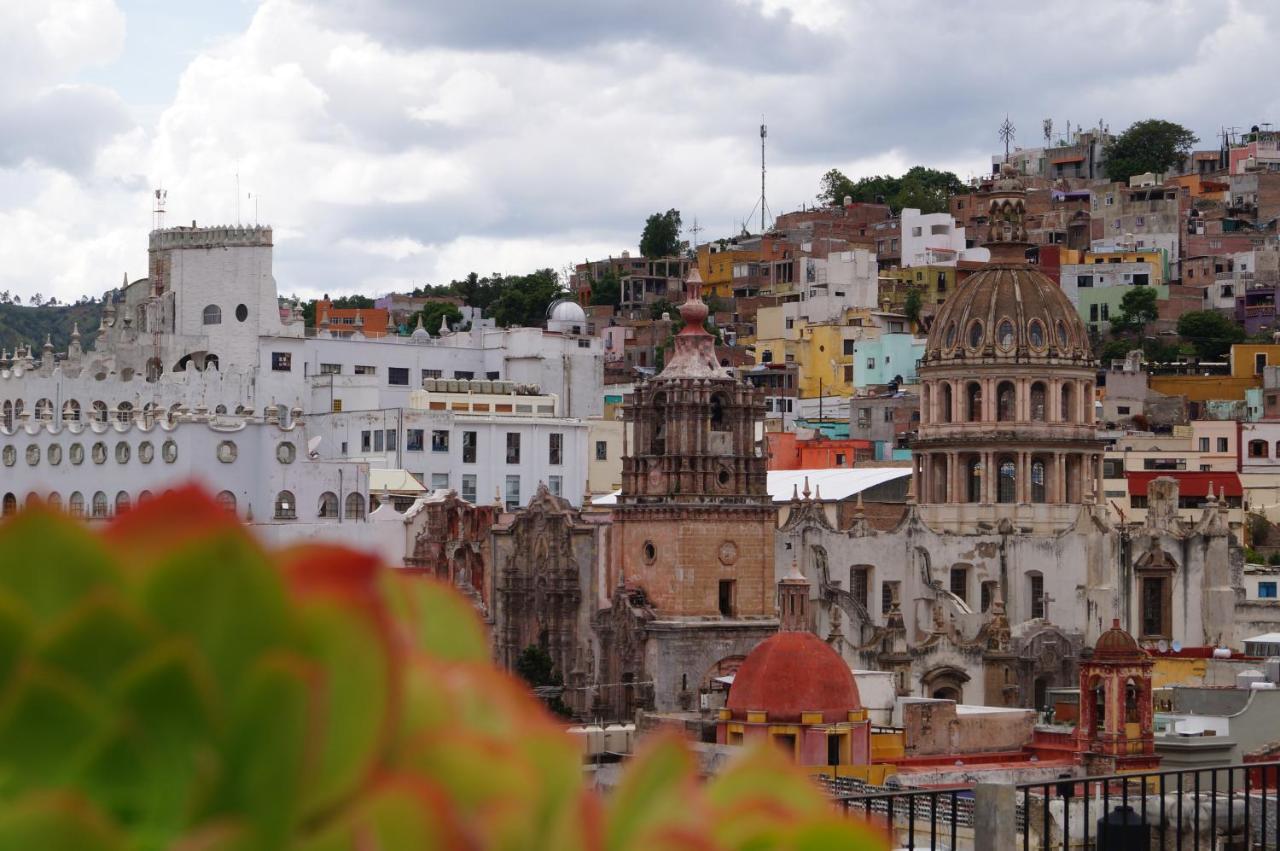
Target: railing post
x,y
995,817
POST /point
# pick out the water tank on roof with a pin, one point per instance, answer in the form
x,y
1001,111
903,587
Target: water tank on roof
x,y
1246,679
1271,668
482,386
451,385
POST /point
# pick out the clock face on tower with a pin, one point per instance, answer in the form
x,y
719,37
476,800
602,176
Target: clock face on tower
x,y
655,477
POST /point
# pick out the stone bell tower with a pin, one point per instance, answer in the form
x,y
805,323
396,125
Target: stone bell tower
x,y
692,534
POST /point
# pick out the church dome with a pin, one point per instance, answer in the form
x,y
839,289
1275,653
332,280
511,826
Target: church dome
x,y
1008,311
1115,643
792,673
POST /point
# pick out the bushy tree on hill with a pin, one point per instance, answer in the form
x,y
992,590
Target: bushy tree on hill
x,y
925,189
1151,145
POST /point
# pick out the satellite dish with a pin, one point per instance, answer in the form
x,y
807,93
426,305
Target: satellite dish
x,y
1162,646
1177,646
313,444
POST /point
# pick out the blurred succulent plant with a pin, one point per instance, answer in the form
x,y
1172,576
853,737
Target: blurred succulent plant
x,y
169,684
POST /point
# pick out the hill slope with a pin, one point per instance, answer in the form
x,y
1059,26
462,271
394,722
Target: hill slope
x,y
30,325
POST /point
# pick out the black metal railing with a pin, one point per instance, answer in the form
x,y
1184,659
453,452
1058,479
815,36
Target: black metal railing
x,y
1226,807
1216,807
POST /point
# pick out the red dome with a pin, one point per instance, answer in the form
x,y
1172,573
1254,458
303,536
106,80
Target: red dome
x,y
1116,643
791,673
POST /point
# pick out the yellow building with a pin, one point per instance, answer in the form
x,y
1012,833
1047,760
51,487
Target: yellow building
x,y
1247,361
934,283
822,351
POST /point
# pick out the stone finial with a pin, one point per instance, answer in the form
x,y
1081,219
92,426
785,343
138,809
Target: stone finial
x,y
795,492
391,322
125,282
817,493
911,490
805,493
75,331
359,319
444,324
836,635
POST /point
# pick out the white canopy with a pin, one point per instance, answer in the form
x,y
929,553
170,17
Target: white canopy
x,y
835,483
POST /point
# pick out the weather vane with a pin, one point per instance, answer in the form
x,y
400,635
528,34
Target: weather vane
x,y
1006,134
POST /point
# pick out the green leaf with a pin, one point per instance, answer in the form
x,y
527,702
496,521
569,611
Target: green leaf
x,y
397,813
55,822
15,635
355,695
49,561
653,798
221,592
270,746
47,721
95,641
439,621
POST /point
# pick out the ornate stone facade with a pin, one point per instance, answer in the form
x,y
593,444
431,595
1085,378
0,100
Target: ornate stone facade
x,y
451,542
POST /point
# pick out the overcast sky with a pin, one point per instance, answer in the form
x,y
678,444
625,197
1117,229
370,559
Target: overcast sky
x,y
397,142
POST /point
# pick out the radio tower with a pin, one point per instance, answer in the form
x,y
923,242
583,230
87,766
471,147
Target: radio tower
x,y
764,132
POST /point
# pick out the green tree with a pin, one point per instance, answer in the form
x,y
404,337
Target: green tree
x,y
1137,308
1151,145
923,188
1161,351
523,299
1117,348
1210,333
352,302
911,307
607,289
431,314
535,666
661,237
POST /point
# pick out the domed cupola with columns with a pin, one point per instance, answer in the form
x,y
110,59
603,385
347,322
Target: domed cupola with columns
x,y
1006,424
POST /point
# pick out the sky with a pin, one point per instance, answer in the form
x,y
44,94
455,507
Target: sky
x,y
392,143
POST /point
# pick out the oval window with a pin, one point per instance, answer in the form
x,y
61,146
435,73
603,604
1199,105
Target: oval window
x,y
10,456
286,452
33,455
99,453
146,452
975,334
951,335
1006,334
123,452
227,451
650,552
55,454
242,312
1062,334
1035,333
77,453
169,451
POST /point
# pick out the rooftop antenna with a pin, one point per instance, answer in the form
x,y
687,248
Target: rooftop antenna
x,y
1048,130
764,132
157,212
695,230
1006,134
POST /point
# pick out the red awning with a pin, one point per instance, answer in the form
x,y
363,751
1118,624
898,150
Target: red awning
x,y
1189,483
1064,160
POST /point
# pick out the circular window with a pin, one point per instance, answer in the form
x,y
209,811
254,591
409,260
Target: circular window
x,y
1062,334
1006,334
242,312
55,454
650,552
951,335
723,478
728,552
226,451
10,456
146,452
77,453
99,453
286,452
33,455
1035,333
123,452
169,451
975,334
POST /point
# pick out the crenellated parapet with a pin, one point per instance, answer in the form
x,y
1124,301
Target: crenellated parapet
x,y
218,236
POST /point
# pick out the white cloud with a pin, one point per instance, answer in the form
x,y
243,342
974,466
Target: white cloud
x,y
394,142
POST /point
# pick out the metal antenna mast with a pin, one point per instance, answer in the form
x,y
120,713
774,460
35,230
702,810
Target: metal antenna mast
x,y
1006,133
695,230
764,132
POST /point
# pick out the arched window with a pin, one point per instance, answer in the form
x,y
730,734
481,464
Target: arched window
x,y
1258,449
123,503
213,315
44,410
124,412
75,504
286,508
1068,404
718,413
1007,483
71,411
973,480
211,362
99,507
55,501
1039,413
328,504
973,402
355,506
6,411
227,500
99,411
145,496
10,505
946,403
1037,480
1005,410
1131,715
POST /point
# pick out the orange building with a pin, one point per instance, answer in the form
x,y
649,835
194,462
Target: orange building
x,y
346,321
788,452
